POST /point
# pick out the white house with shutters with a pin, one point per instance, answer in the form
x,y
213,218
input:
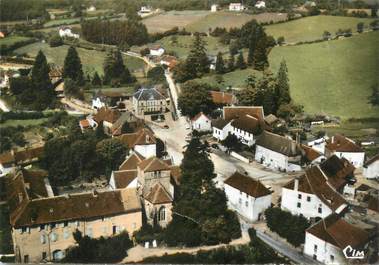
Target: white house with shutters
x,y
249,197
325,240
312,195
236,7
201,123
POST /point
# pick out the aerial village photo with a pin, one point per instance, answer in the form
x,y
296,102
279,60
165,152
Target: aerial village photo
x,y
189,132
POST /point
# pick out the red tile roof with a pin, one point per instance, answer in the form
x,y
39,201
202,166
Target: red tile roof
x,y
107,114
158,195
132,162
247,185
314,182
199,115
123,178
230,113
339,233
143,137
222,98
340,143
84,123
153,164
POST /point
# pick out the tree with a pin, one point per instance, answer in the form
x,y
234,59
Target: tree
x,y
156,74
55,40
374,99
220,66
360,27
374,11
42,92
195,98
71,89
112,152
240,61
96,80
282,90
251,53
280,40
260,58
201,212
115,71
231,63
73,66
231,142
197,59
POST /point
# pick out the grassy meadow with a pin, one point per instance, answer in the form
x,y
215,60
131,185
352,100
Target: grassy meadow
x,y
10,40
312,28
333,77
92,60
227,19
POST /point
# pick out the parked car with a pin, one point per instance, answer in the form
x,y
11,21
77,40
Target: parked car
x,y
166,127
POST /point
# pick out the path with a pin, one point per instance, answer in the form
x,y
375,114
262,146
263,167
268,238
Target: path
x,y
284,250
76,107
138,253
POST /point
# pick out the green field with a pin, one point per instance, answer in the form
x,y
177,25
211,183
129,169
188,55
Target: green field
x,y
92,60
333,77
7,41
31,122
182,48
312,28
227,19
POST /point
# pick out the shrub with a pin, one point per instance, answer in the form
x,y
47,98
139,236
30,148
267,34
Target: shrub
x,y
55,41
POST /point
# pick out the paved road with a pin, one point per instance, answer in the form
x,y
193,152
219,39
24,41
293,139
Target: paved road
x,y
285,250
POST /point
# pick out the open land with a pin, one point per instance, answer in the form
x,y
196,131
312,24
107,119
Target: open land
x,y
92,60
325,80
312,28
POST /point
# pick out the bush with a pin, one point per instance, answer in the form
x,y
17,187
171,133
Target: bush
x,y
55,41
288,226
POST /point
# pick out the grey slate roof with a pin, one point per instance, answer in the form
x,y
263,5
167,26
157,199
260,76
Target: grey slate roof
x,y
279,144
148,94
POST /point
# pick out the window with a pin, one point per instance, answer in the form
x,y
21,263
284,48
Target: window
x,y
43,239
24,229
66,233
298,205
299,196
315,257
54,237
41,227
246,203
65,224
240,201
331,258
315,248
26,258
319,210
308,198
44,256
162,214
53,225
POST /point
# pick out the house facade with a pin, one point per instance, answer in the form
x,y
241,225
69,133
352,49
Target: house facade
x,y
201,123
325,240
278,152
67,32
260,4
43,224
371,168
312,195
156,50
236,7
342,146
248,197
143,142
243,122
149,100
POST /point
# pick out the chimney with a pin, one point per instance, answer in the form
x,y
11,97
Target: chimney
x,y
296,186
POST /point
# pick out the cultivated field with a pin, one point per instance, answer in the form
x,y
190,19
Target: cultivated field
x,y
333,77
92,60
168,20
312,28
226,19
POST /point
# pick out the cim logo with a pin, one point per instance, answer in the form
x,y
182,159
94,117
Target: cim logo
x,y
351,253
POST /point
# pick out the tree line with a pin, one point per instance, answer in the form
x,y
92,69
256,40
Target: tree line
x,y
122,33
